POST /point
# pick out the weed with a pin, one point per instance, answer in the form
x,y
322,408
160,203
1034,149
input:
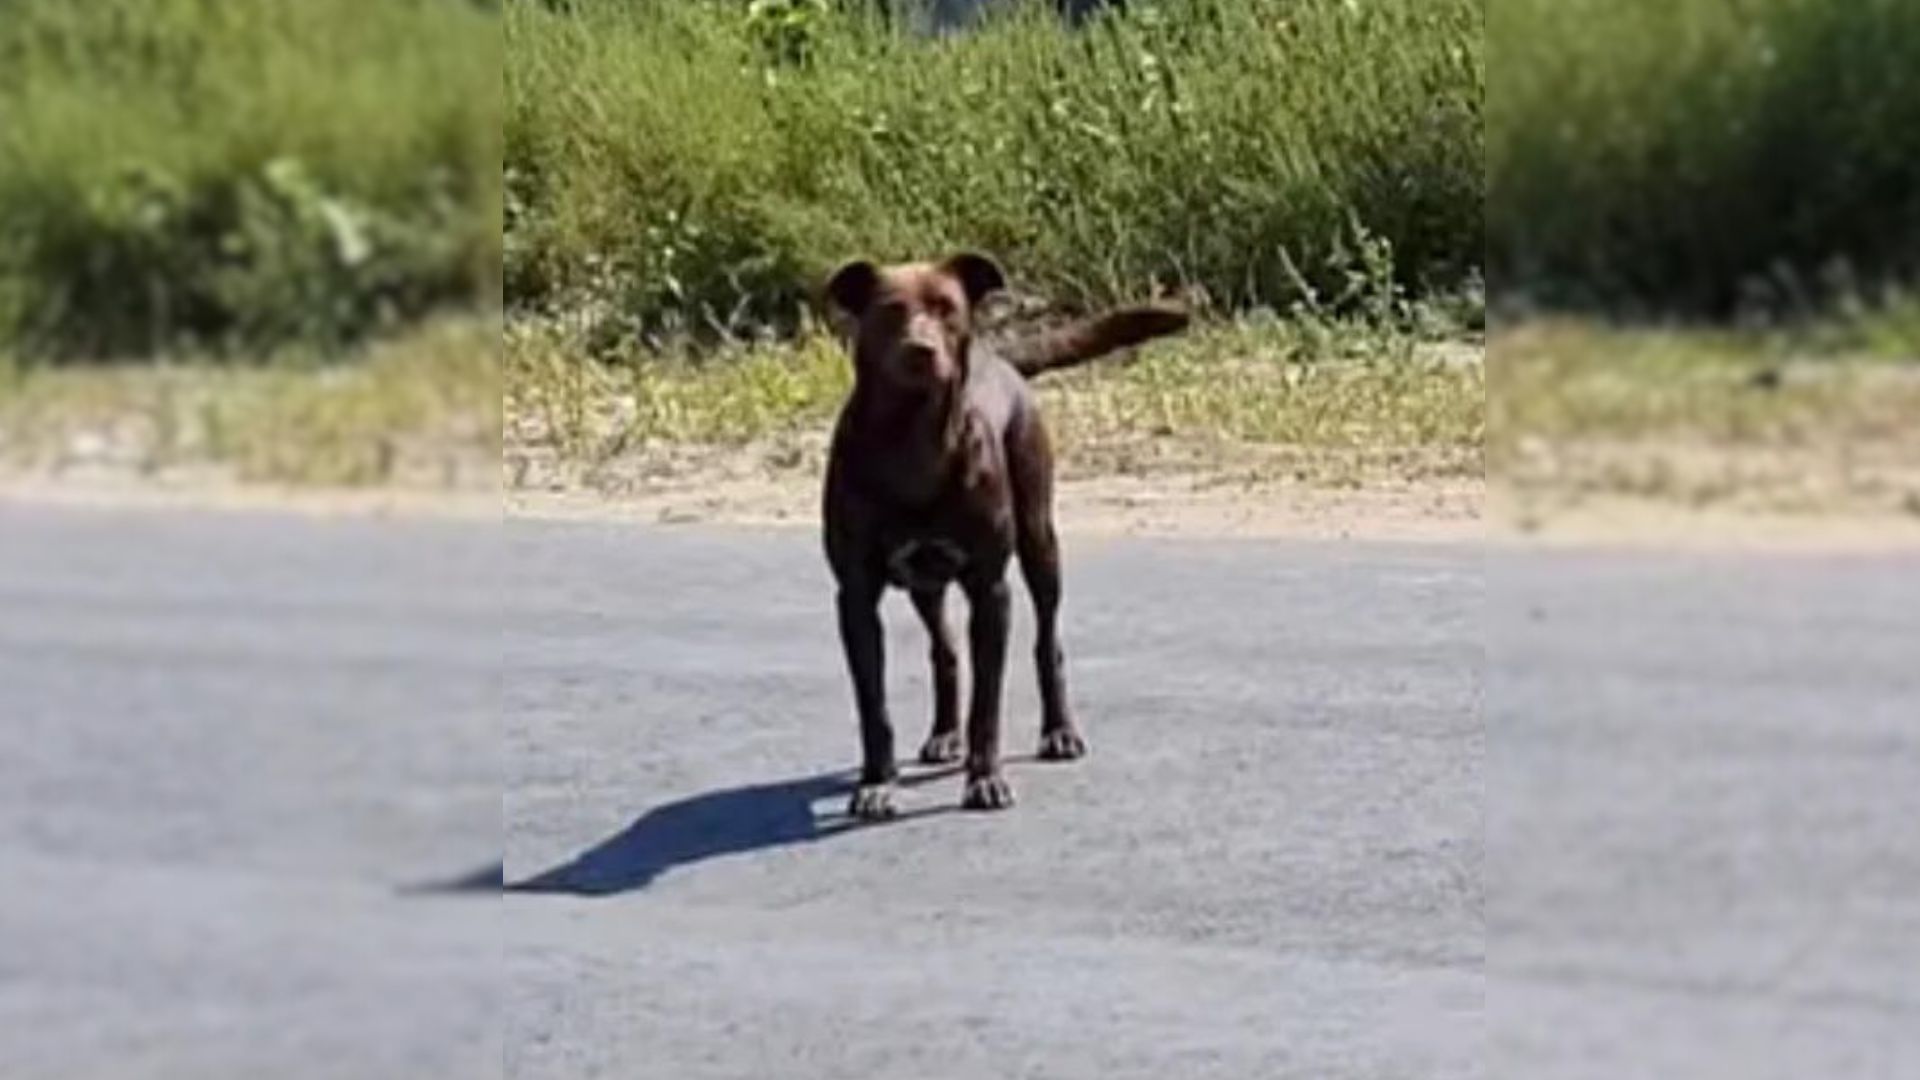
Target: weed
x,y
192,177
423,409
679,169
1703,157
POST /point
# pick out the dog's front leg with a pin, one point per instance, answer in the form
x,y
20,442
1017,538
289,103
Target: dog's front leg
x,y
865,646
987,788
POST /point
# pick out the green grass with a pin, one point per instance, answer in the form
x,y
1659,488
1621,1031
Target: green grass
x,y
678,168
1326,403
1703,156
1577,380
423,410
1812,420
195,176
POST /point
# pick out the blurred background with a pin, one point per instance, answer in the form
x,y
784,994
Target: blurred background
x,y
250,242
253,757
1703,231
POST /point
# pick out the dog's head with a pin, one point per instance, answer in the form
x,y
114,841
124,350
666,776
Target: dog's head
x,y
913,323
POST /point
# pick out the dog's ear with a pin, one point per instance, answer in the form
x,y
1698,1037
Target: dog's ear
x,y
851,287
976,273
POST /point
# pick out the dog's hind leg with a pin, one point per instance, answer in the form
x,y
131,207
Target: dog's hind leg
x,y
1039,551
1060,739
943,742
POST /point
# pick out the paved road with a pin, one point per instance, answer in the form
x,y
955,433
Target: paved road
x,y
230,746
1269,866
242,739
1703,817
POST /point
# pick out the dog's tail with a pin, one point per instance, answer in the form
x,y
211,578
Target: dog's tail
x,y
1080,341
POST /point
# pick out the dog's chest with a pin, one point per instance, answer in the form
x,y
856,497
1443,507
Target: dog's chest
x,y
931,551
919,563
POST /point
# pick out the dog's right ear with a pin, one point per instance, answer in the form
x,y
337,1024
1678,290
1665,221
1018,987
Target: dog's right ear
x,y
851,287
976,273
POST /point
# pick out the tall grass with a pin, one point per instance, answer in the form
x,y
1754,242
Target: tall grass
x,y
236,174
683,166
1703,155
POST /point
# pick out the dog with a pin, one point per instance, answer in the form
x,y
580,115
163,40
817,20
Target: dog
x,y
939,472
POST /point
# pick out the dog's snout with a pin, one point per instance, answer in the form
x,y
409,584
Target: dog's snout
x,y
919,357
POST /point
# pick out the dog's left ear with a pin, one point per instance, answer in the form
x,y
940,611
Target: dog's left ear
x,y
851,287
979,275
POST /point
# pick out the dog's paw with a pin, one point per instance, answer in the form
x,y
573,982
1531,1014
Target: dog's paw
x,y
1062,744
941,749
989,792
872,802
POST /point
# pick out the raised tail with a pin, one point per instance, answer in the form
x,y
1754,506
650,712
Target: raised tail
x,y
1085,339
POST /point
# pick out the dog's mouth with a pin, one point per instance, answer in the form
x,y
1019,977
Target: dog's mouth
x,y
920,366
922,564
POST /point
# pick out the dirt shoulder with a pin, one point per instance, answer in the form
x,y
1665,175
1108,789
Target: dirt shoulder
x,y
1190,505
1172,506
215,494
1703,438
1597,439
1203,505
1184,506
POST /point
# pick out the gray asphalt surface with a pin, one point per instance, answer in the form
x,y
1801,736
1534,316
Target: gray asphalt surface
x,y
1270,865
231,746
235,744
1703,817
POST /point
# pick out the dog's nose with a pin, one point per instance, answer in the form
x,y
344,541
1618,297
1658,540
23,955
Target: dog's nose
x,y
918,357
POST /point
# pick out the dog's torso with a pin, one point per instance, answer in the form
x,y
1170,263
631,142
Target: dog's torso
x,y
924,522
941,473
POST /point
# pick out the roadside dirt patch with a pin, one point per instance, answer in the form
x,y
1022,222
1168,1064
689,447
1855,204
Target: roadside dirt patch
x,y
1642,523
1190,505
221,494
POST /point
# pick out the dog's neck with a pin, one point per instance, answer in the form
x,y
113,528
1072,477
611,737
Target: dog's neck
x,y
916,436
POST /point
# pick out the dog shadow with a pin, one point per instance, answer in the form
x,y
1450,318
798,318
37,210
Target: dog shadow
x,y
733,821
486,879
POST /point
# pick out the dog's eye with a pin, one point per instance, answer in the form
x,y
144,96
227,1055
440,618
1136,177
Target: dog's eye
x,y
940,307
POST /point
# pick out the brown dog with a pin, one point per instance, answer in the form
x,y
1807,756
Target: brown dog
x,y
939,472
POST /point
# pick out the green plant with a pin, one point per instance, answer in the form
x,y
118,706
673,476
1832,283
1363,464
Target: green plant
x,y
786,28
1703,157
177,175
670,175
